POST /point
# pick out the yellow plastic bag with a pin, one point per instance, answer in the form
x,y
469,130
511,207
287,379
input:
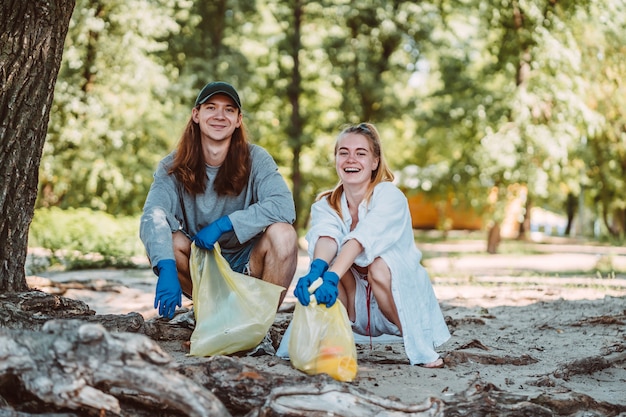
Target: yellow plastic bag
x,y
233,311
322,341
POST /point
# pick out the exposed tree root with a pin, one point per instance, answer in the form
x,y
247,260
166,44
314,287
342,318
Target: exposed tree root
x,y
57,356
455,357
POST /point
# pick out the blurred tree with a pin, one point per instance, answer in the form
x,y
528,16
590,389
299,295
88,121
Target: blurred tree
x,y
290,86
111,118
508,106
375,51
601,33
286,90
339,63
208,45
460,98
470,96
31,47
543,63
373,48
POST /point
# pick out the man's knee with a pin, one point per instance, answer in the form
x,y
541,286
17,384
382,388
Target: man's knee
x,y
181,243
282,238
182,251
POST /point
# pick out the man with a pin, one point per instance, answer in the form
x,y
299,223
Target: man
x,y
217,187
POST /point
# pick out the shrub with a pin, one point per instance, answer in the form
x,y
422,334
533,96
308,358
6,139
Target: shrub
x,y
83,238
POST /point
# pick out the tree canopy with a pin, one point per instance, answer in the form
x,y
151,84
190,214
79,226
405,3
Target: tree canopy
x,y
468,95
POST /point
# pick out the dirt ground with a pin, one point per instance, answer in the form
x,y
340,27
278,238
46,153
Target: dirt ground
x,y
552,321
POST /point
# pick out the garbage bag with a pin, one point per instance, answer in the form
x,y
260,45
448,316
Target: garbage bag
x,y
322,341
233,311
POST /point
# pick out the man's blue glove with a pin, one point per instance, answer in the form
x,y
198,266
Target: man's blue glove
x,y
318,267
327,293
207,237
168,291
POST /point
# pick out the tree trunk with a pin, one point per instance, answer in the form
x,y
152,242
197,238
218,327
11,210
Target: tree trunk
x,y
294,91
493,238
524,226
31,48
570,209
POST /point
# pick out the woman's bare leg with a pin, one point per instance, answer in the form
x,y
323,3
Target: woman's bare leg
x,y
347,291
379,277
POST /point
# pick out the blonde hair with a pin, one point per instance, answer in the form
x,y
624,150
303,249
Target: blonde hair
x,y
380,174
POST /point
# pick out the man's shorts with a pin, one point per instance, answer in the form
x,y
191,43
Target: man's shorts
x,y
378,323
240,261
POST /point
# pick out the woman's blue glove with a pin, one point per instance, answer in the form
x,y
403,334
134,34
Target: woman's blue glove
x,y
207,237
327,293
318,267
168,291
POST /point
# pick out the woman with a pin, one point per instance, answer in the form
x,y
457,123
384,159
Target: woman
x,y
361,243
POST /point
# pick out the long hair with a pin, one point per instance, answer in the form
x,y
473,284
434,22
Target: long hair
x,y
380,174
189,166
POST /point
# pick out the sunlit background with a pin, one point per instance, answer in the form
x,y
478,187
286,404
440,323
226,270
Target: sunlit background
x,y
504,116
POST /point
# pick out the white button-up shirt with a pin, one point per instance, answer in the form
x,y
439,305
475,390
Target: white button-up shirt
x,y
385,230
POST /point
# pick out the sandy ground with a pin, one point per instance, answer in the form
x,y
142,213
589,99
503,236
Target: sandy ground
x,y
524,323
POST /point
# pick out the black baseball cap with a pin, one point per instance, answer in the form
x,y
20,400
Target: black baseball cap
x,y
218,87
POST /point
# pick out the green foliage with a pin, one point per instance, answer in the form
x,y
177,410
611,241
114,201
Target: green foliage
x,y
467,95
603,152
112,115
81,237
509,101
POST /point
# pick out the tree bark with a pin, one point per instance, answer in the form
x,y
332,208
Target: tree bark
x,y
31,47
80,366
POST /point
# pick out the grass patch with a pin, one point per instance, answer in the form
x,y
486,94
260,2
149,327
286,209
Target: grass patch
x,y
83,238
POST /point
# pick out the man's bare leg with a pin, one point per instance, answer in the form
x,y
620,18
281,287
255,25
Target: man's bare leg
x,y
275,257
182,253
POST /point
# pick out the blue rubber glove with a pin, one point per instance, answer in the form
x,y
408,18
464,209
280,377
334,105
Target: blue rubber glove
x,y
168,291
207,237
318,267
327,293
